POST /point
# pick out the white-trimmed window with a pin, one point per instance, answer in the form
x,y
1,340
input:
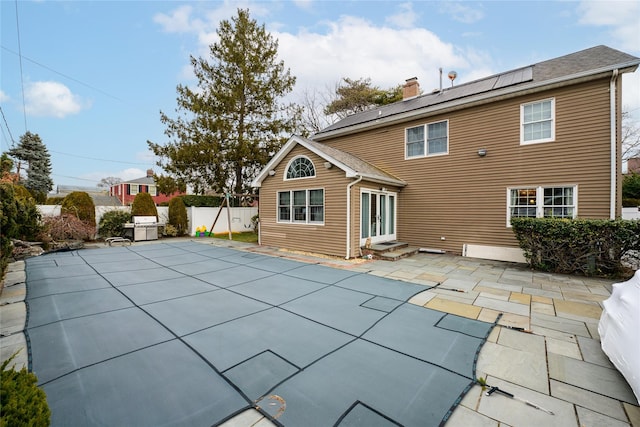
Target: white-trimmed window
x,y
427,140
542,202
300,167
537,121
133,189
301,206
153,191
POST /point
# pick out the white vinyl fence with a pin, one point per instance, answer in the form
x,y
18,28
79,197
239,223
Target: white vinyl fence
x,y
238,218
631,213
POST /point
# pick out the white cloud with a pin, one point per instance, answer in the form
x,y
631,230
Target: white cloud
x,y
631,94
622,17
320,58
460,12
304,4
4,97
52,99
405,18
125,174
388,57
178,21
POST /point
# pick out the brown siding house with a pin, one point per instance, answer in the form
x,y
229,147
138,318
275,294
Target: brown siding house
x,y
447,170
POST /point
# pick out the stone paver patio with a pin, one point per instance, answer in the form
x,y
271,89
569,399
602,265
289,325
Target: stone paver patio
x,y
557,363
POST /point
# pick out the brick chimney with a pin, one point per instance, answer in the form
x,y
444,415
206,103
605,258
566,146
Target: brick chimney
x,y
149,173
411,89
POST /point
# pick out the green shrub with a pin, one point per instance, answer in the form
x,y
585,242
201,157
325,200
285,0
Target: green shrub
x,y
178,216
8,224
255,221
22,193
54,201
112,223
631,186
190,200
170,230
143,205
630,203
21,401
19,219
590,247
79,204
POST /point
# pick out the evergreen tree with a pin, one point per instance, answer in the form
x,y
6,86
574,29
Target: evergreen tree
x,y
234,121
32,151
354,96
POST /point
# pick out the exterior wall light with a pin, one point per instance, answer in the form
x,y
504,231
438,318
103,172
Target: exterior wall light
x,y
327,165
482,152
272,172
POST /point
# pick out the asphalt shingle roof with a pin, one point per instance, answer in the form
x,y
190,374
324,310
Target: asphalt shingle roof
x,y
592,60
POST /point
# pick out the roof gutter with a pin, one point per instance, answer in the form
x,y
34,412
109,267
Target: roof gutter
x,y
614,145
351,184
480,99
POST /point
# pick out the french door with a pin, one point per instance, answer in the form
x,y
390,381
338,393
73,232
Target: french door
x,y
377,216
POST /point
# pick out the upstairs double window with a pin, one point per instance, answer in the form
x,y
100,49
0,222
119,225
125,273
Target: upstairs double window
x,y
427,140
537,122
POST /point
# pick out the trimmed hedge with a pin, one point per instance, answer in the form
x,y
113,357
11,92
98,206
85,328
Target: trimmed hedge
x,y
208,201
21,401
143,205
55,200
178,216
591,247
79,204
201,201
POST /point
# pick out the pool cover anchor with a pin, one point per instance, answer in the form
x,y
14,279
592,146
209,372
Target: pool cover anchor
x,y
494,389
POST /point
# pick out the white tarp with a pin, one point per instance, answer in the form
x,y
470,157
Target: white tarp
x,y
619,330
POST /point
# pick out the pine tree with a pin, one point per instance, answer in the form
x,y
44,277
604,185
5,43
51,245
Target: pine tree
x,y
234,122
32,151
354,96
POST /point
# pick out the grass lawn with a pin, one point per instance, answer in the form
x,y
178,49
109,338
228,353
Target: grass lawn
x,y
248,237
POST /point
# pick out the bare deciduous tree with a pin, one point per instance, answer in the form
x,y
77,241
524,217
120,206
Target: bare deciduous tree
x,y
630,136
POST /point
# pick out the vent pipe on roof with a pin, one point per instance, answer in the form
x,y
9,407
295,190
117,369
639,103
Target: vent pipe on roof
x,y
440,79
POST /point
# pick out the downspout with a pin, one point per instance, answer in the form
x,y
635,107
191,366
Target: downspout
x,y
351,184
614,145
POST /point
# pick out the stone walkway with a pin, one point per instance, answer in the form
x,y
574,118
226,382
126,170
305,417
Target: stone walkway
x,y
556,363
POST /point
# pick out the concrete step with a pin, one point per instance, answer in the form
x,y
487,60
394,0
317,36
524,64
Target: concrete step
x,y
398,253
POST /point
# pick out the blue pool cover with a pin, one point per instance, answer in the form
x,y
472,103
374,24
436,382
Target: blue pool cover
x,y
185,333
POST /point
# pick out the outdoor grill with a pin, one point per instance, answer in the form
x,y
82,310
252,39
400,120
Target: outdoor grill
x,y
144,228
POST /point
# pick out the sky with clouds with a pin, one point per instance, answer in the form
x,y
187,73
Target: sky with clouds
x,y
93,77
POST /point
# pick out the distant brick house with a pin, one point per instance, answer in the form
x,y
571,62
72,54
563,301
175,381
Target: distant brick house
x,y
126,191
633,165
450,168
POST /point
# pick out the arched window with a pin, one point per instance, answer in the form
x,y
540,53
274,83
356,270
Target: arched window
x,y
300,167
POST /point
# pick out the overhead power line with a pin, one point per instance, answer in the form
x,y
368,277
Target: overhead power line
x,y
13,142
102,160
60,74
24,106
